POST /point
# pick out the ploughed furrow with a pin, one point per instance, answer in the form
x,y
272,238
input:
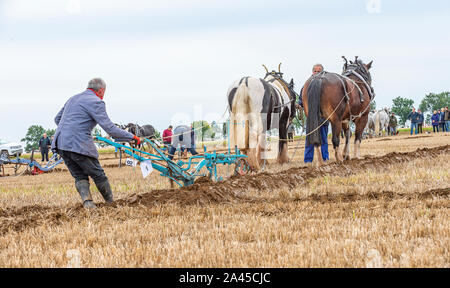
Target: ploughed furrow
x,y
231,191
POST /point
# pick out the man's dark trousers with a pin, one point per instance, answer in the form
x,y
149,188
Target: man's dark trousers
x,y
44,144
44,153
82,166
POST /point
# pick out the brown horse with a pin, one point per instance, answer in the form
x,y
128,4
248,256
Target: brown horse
x,y
338,99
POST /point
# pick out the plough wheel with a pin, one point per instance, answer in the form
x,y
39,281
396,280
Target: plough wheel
x,y
242,167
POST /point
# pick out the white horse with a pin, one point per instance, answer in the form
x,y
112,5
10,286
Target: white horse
x,y
257,105
382,122
370,126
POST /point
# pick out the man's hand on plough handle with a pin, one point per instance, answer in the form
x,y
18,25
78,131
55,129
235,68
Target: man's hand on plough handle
x,y
136,141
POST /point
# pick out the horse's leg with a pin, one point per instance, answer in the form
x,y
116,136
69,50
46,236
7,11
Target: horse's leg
x,y
262,148
318,155
262,145
253,134
358,136
347,133
282,151
336,127
282,143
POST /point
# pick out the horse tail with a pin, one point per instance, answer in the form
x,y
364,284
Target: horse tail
x,y
377,123
312,121
239,124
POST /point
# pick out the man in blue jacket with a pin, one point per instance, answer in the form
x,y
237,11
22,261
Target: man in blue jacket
x,y
442,120
74,142
414,117
435,121
420,121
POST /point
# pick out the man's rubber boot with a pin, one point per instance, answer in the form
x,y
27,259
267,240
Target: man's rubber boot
x,y
105,190
85,193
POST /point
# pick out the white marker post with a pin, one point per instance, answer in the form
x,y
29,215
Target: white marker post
x,y
146,168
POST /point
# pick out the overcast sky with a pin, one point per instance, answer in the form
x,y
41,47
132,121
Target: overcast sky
x,y
166,62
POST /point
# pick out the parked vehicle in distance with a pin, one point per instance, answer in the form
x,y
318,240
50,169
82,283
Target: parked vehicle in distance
x,y
8,149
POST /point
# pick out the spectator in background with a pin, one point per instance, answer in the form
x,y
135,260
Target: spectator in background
x,y
167,137
184,139
447,119
393,125
420,121
435,121
44,146
442,120
290,132
414,118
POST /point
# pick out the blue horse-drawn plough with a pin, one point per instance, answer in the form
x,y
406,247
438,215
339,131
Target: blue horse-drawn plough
x,y
30,166
181,172
185,172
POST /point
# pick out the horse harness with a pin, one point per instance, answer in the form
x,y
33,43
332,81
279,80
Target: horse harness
x,y
363,79
277,76
341,79
271,95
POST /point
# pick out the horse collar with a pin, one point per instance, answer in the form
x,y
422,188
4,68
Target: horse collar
x,y
368,87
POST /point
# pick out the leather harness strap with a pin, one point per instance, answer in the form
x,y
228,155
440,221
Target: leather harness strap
x,y
286,89
364,81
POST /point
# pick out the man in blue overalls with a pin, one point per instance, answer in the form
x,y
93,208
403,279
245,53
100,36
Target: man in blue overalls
x,y
309,149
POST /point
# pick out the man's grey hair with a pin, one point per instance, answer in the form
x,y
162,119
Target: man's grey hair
x,y
318,64
96,84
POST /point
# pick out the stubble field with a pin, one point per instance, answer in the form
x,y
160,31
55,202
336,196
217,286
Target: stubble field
x,y
389,209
